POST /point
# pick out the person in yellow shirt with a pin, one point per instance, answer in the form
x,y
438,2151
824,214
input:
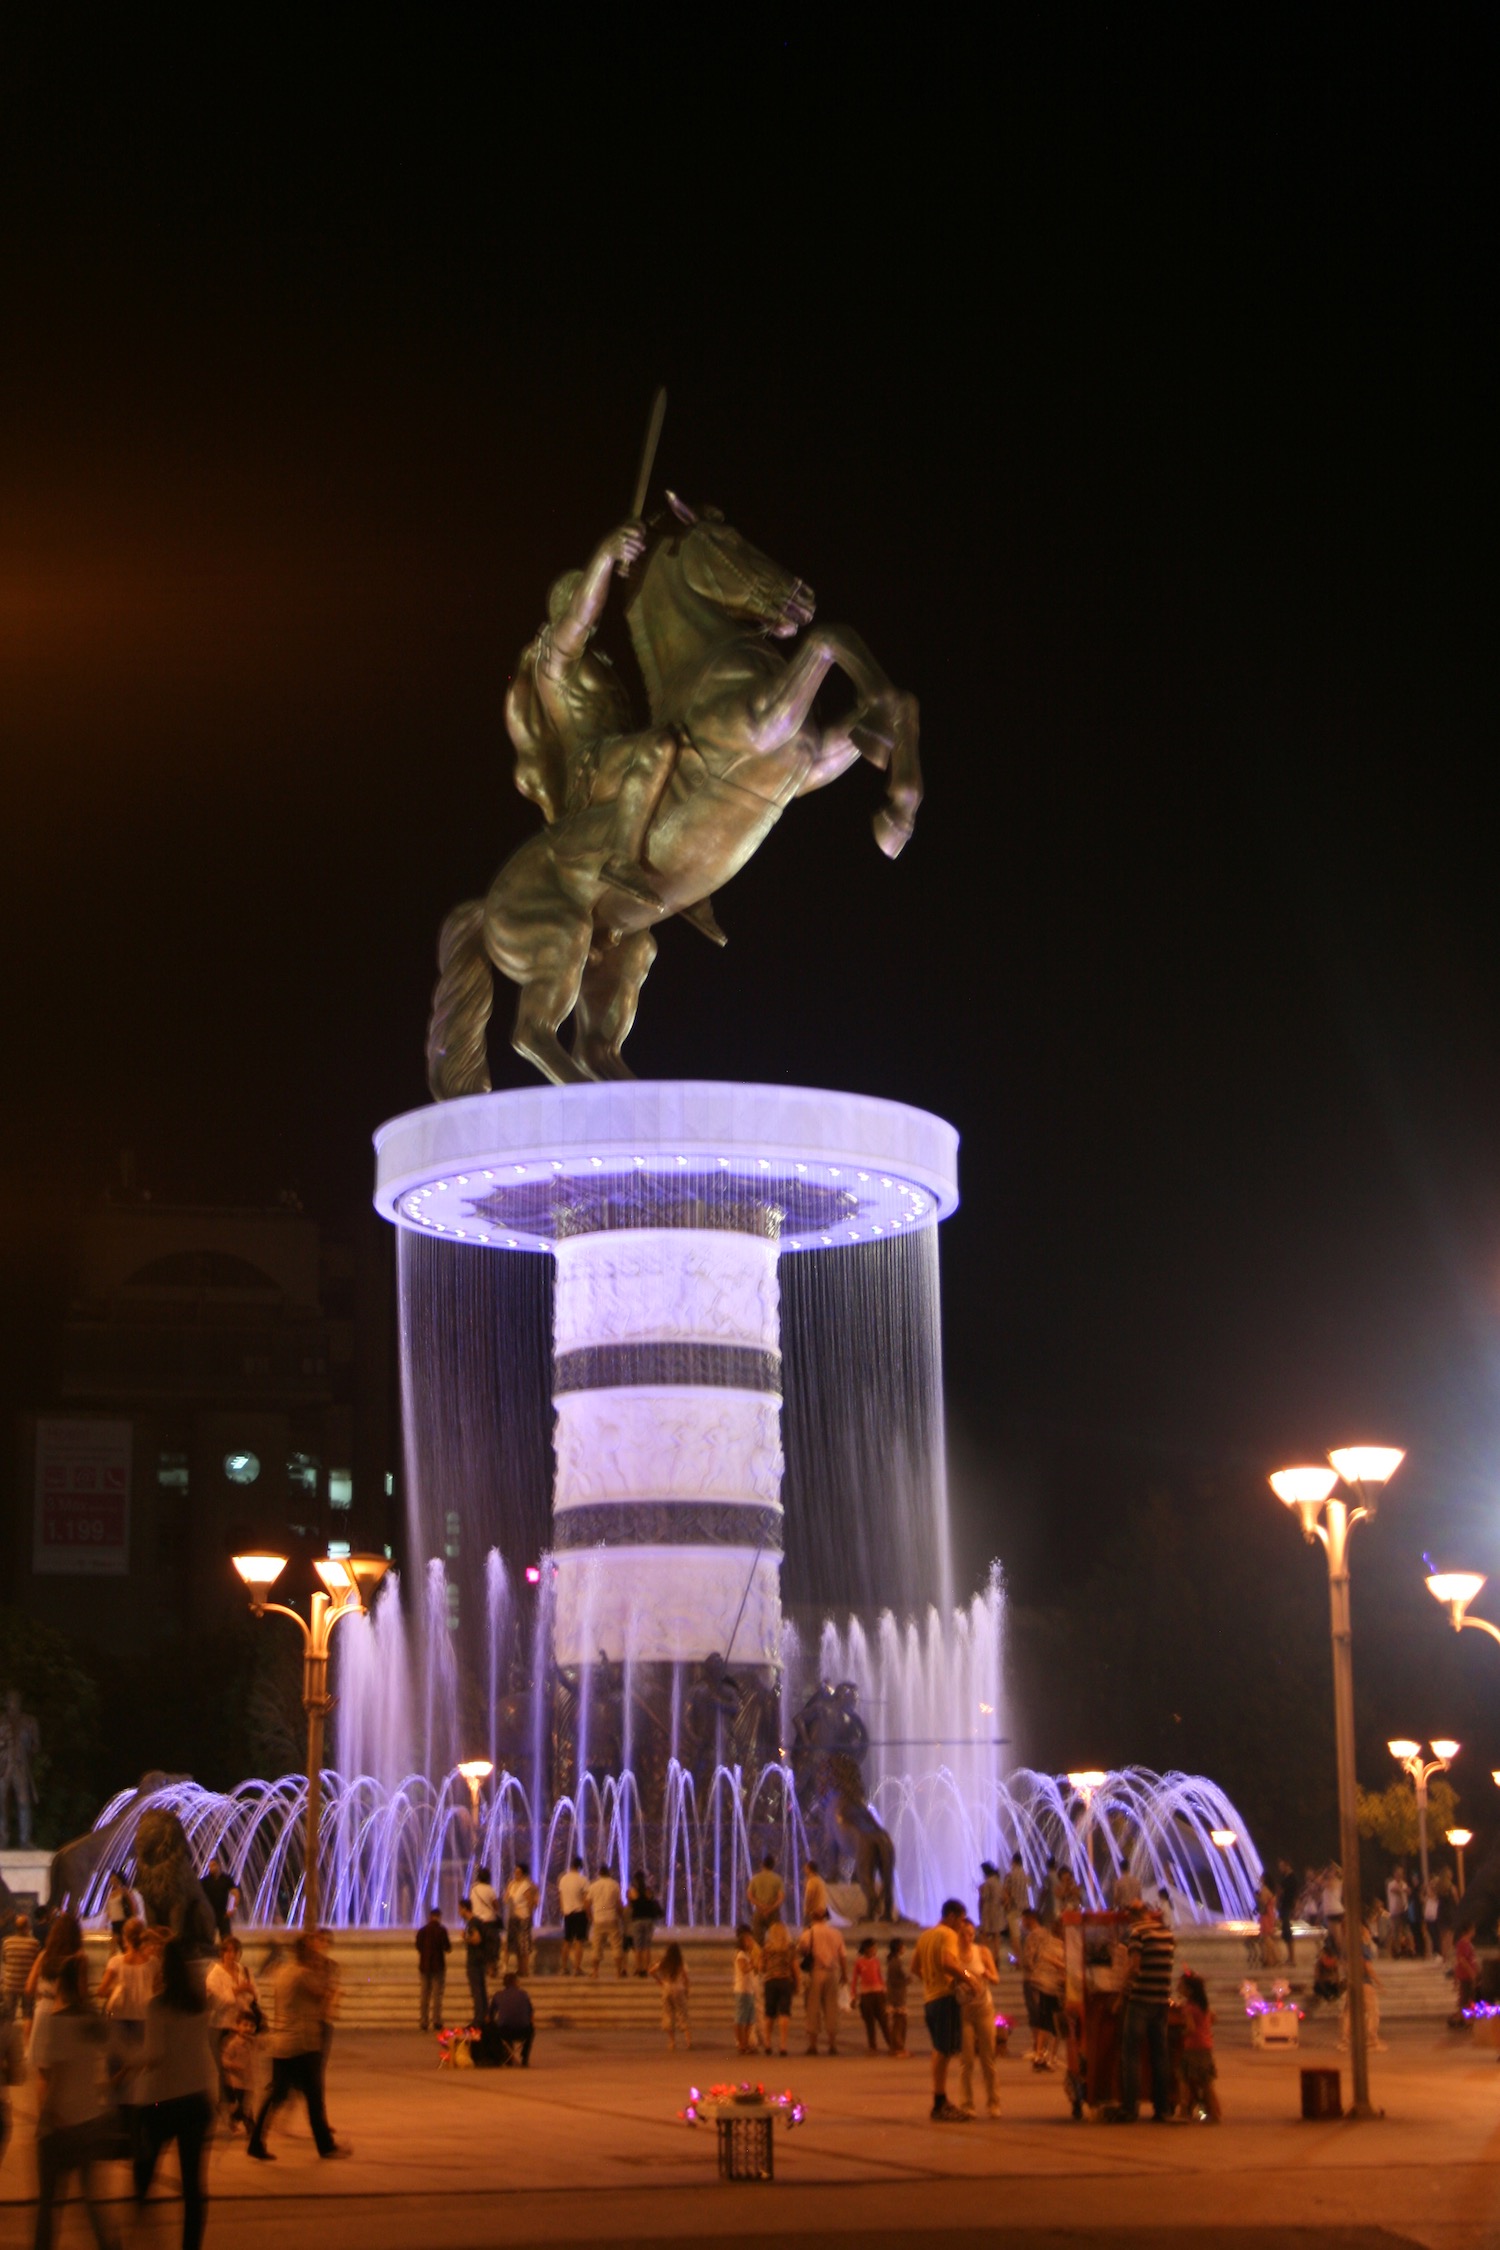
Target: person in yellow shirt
x,y
935,1959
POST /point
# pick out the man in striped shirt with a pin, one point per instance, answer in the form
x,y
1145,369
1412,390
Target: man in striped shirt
x,y
17,1953
1146,1998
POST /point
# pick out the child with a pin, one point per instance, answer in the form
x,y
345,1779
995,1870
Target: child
x,y
896,1982
1328,1976
1198,2066
746,1964
671,1974
869,1993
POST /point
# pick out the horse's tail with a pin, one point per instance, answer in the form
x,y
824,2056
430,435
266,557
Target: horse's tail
x,y
457,1062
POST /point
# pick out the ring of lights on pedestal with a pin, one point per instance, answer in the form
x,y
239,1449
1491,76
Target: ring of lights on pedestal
x,y
520,1169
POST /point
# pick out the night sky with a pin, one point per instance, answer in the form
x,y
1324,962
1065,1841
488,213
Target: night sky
x,y
1129,383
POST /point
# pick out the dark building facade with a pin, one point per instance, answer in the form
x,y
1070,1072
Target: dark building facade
x,y
208,1379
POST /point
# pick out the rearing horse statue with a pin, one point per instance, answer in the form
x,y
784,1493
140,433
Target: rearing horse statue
x,y
731,710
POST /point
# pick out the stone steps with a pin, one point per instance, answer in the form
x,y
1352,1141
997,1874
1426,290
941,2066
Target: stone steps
x,y
380,1988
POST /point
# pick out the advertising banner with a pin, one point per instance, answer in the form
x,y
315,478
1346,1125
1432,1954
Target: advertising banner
x,y
82,1498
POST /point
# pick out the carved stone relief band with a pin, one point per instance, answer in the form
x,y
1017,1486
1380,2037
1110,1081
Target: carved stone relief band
x,y
614,1367
666,1523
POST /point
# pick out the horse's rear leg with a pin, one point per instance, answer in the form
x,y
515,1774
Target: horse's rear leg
x,y
607,1001
546,998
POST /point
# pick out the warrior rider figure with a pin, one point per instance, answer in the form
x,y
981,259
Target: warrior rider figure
x,y
570,720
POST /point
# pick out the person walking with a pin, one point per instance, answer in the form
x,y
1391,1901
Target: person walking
x,y
993,1909
1288,1889
1146,1998
63,1942
521,1900
1447,1914
126,1990
235,2018
1049,1977
485,1905
120,1905
1017,1897
433,1948
827,1964
1465,1968
897,1984
219,1890
12,2072
936,1962
644,1911
779,1980
179,2086
765,1893
573,1905
68,2054
605,1909
473,1944
18,1952
1363,1964
744,1975
976,2002
671,1974
299,1987
1199,2070
868,1986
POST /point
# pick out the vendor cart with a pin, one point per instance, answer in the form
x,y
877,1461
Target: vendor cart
x,y
1093,1975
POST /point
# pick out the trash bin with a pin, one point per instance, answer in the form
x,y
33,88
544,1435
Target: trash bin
x,y
1321,2094
745,2149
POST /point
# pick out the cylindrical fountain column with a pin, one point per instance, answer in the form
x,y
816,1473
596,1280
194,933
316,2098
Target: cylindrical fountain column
x,y
666,1207
667,1385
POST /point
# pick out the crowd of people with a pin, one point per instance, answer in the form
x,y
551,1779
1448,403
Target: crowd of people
x,y
172,2041
159,2049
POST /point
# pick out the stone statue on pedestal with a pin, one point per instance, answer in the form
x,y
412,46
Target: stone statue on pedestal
x,y
20,1740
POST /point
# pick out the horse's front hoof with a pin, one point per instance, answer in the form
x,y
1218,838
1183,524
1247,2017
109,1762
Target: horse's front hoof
x,y
891,832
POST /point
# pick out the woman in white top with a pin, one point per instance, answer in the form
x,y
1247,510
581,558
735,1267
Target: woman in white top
x,y
64,1940
180,2082
68,2052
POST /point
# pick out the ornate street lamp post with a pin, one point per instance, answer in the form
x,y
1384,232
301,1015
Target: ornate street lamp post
x,y
348,1582
1087,1782
476,1772
1460,1839
1408,1756
1363,1471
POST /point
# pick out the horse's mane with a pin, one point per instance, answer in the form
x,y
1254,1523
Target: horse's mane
x,y
664,548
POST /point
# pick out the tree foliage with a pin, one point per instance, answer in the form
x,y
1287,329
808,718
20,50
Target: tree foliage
x,y
1390,1815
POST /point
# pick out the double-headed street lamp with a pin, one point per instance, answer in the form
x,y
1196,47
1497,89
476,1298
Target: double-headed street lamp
x,y
1408,1756
1363,1471
348,1582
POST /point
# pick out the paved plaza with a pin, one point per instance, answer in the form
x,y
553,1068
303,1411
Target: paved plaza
x,y
587,2148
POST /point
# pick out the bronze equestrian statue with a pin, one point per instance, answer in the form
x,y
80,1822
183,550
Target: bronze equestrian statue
x,y
645,823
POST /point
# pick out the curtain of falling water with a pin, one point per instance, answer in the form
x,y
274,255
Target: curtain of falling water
x,y
866,1487
476,1361
476,1393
